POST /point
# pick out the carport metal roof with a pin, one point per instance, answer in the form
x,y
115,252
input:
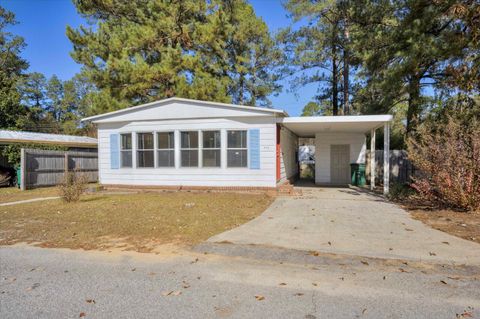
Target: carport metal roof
x,y
12,137
308,126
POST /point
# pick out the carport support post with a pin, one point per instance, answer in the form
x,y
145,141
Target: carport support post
x,y
386,157
372,159
23,169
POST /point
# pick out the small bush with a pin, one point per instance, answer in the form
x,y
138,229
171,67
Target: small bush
x,y
399,191
448,158
72,186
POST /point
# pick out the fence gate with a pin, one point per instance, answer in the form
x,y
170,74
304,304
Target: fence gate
x,y
47,168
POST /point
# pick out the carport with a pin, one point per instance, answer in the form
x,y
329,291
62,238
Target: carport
x,y
341,140
39,167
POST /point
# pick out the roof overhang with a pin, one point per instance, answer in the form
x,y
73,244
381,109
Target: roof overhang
x,y
110,117
308,126
16,137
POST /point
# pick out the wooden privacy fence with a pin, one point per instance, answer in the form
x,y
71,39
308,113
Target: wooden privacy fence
x,y
401,169
47,168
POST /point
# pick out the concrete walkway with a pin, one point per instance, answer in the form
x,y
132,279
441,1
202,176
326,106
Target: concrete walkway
x,y
350,222
25,201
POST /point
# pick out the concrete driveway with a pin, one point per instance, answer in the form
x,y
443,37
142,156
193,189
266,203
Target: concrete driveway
x,y
351,222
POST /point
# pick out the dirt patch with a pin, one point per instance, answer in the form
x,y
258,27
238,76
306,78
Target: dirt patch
x,y
138,222
460,224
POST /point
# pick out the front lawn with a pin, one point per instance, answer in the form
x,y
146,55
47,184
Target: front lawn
x,y
13,194
134,221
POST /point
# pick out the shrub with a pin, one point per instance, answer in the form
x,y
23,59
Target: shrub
x,y
399,191
447,154
72,186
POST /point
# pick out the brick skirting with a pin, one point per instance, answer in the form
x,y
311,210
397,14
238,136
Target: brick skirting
x,y
272,191
238,189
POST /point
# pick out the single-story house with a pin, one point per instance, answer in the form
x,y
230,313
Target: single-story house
x,y
190,143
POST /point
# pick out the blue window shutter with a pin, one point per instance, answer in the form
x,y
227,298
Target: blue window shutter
x,y
254,148
114,151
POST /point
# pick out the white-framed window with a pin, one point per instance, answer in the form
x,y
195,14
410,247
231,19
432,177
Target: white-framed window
x,y
145,150
211,148
189,148
126,150
166,149
237,150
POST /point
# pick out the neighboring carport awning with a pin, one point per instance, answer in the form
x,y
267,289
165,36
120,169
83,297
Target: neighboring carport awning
x,y
308,126
14,137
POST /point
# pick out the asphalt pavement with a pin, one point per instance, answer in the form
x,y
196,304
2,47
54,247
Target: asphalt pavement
x,y
229,281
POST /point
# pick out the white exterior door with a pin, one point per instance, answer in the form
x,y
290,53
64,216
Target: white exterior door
x,y
340,164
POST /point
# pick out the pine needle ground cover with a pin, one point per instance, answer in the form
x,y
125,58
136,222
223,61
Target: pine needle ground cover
x,y
460,224
137,222
13,194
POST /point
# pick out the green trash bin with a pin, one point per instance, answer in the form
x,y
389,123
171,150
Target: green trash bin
x,y
19,176
353,173
357,172
361,177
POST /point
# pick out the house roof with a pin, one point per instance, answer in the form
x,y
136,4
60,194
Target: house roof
x,y
12,137
177,99
305,126
308,126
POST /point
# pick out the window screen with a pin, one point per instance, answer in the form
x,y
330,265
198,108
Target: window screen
x,y
145,150
166,149
189,149
126,150
237,151
211,149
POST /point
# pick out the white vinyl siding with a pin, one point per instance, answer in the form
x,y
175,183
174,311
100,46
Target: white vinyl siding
x,y
196,176
288,154
177,110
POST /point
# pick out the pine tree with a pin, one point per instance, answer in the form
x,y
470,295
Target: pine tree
x,y
12,67
406,46
141,51
318,50
311,109
317,109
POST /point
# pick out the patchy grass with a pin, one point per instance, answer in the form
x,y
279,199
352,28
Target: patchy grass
x,y
135,221
13,194
460,224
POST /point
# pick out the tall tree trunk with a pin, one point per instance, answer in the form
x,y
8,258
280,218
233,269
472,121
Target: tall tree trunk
x,y
334,80
346,71
414,103
241,89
